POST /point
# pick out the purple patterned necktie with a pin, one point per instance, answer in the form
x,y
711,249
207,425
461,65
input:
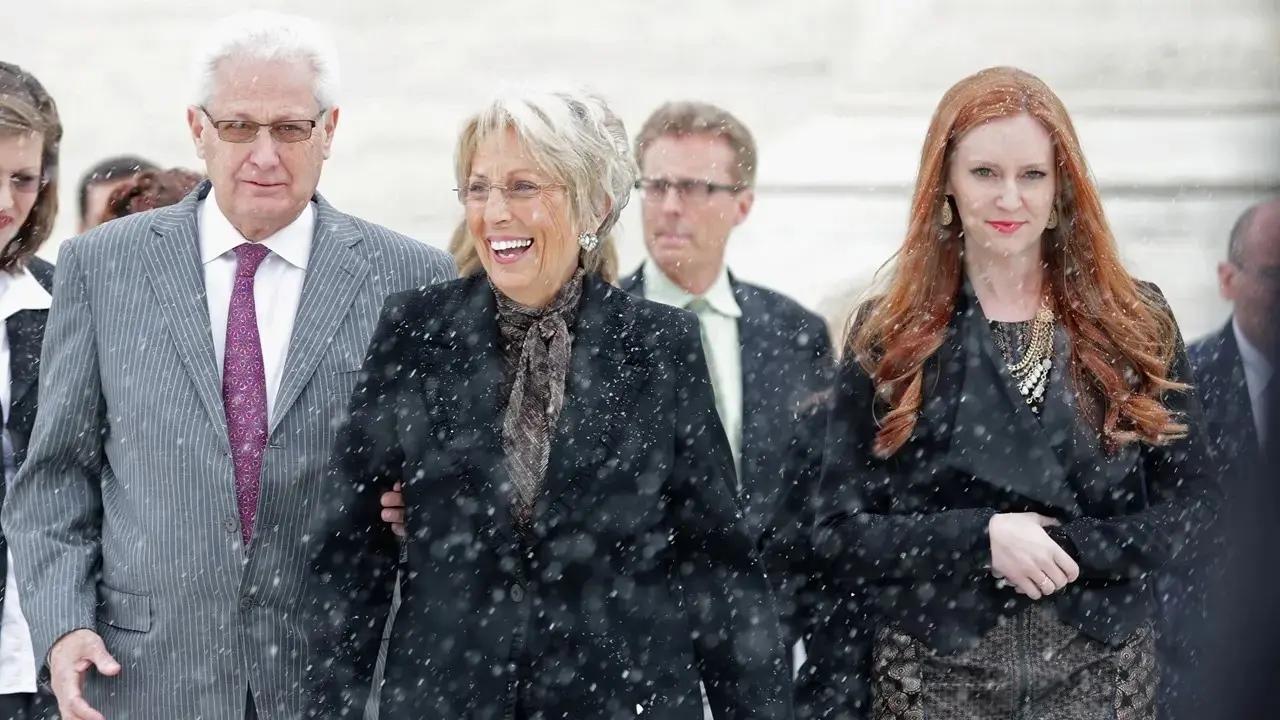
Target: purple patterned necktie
x,y
244,386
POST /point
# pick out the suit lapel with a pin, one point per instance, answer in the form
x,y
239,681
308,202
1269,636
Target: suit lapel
x,y
1233,408
172,260
760,486
335,274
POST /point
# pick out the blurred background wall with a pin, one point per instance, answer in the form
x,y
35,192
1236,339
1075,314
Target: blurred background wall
x,y
1177,103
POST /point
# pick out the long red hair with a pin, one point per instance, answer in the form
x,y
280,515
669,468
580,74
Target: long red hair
x,y
1123,336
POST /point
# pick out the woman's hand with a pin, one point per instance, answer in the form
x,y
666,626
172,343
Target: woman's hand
x,y
1024,555
393,508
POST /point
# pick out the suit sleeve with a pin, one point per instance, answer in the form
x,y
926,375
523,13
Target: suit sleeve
x,y
53,511
355,557
736,634
1184,498
787,546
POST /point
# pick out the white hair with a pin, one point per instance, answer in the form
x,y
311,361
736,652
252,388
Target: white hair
x,y
571,134
263,35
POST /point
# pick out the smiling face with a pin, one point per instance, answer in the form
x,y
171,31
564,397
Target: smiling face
x,y
1003,180
263,185
527,245
20,168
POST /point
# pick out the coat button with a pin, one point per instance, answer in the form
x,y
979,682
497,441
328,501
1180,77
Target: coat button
x,y
517,593
230,525
246,603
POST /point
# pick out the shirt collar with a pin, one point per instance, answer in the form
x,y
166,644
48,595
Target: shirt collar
x,y
660,288
291,242
1254,361
21,291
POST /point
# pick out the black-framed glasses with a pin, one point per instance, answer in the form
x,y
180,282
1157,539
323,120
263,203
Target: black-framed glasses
x,y
246,131
477,192
656,189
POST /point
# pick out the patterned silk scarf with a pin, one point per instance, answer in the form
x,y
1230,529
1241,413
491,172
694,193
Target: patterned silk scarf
x,y
535,345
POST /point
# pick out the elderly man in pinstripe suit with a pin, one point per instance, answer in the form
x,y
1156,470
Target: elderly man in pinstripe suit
x,y
195,361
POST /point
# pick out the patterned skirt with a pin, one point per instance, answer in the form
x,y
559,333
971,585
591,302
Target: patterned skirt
x,y
1029,667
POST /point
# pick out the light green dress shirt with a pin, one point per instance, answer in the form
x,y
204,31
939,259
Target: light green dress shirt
x,y
718,313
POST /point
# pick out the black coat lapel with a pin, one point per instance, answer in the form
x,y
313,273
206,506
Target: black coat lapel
x,y
995,437
600,389
465,395
26,334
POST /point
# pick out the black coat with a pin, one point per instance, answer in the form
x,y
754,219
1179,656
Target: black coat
x,y
1187,635
905,538
786,371
639,578
26,333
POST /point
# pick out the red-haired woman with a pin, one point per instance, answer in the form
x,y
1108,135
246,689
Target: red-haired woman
x,y
1013,452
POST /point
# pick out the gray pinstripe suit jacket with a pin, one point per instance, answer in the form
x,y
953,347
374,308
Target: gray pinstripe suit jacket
x,y
123,517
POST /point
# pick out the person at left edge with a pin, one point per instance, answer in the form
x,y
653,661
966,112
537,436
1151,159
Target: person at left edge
x,y
196,359
575,548
30,133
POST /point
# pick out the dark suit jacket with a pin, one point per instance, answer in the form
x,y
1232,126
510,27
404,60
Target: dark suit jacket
x,y
905,538
638,578
1186,633
26,331
786,370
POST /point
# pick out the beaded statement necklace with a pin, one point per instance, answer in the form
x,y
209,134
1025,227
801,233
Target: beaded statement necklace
x,y
1028,353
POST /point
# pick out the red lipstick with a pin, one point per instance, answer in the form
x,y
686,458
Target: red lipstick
x,y
1005,227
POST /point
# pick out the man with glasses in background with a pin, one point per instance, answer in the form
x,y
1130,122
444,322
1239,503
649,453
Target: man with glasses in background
x,y
770,359
197,360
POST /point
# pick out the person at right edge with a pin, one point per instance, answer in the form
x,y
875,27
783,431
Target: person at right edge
x,y
1013,449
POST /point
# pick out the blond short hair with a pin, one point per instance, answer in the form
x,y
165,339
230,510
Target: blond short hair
x,y
576,138
700,118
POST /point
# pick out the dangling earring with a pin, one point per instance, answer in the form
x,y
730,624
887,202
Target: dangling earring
x,y
947,216
588,241
1053,219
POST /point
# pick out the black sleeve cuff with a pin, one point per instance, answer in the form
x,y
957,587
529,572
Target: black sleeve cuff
x,y
1059,535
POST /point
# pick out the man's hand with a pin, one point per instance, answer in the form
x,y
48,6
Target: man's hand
x,y
393,508
69,661
1024,555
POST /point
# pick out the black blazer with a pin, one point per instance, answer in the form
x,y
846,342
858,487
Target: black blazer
x,y
639,578
786,371
26,332
1186,635
905,538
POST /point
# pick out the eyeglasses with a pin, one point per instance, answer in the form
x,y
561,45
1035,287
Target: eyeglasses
x,y
246,131
26,184
656,189
477,192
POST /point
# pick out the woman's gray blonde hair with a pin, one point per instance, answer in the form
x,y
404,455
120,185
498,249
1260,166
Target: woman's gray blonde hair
x,y
578,140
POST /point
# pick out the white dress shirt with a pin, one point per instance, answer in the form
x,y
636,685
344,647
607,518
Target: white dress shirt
x,y
19,291
277,286
718,313
1257,373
